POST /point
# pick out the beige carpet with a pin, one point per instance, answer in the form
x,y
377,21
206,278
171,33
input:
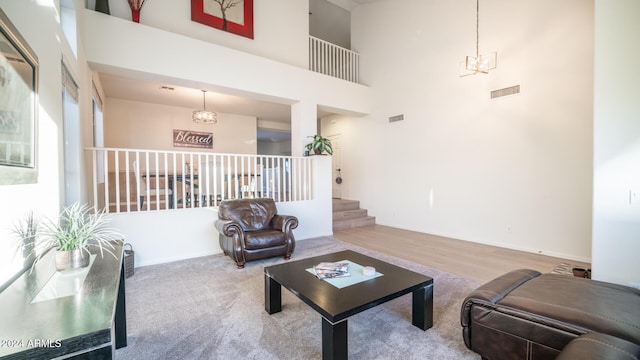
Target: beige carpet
x,y
205,308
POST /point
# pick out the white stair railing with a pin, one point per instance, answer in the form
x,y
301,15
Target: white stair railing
x,y
329,59
145,180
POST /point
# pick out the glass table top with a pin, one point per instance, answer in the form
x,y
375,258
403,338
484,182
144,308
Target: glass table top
x,y
64,283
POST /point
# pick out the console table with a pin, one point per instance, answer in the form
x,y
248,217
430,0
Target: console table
x,y
72,314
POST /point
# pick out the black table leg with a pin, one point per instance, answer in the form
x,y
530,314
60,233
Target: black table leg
x,y
121,313
422,307
272,295
334,340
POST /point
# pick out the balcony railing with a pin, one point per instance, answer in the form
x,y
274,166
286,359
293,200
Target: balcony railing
x,y
145,180
329,59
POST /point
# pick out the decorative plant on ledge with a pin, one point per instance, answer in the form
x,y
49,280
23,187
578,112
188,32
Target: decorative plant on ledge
x,y
136,6
319,145
76,231
27,231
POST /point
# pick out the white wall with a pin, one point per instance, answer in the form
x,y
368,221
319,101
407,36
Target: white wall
x,y
38,23
279,148
330,22
139,125
514,171
616,222
281,27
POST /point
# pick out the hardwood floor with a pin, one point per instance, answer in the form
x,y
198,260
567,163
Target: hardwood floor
x,y
467,259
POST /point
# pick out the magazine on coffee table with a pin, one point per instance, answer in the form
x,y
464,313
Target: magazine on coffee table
x,y
328,270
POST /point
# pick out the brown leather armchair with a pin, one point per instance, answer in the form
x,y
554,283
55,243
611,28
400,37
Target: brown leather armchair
x,y
251,229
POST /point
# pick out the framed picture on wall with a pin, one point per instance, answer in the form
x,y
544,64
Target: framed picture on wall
x,y
234,16
18,106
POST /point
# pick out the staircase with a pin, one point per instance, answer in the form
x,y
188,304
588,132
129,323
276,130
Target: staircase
x,y
347,214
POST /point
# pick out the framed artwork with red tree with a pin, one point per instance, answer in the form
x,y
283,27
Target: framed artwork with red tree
x,y
234,16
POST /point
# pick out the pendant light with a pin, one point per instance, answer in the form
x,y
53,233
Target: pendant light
x,y
204,116
480,63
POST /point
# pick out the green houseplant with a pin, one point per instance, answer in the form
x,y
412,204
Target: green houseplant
x,y
27,231
76,231
319,145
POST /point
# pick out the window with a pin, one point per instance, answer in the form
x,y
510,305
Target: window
x,y
18,107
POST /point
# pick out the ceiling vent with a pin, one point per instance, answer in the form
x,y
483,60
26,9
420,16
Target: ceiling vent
x,y
396,118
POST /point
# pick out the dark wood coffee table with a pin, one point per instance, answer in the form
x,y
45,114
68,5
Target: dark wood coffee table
x,y
337,305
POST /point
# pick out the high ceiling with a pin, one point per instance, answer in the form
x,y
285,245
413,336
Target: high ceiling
x,y
121,87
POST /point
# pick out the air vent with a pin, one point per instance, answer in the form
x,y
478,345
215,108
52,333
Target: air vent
x,y
396,118
506,91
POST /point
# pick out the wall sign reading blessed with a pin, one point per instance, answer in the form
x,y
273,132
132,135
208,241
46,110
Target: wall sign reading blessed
x,y
194,139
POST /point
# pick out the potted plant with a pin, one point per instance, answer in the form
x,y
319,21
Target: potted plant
x,y
27,231
76,231
319,145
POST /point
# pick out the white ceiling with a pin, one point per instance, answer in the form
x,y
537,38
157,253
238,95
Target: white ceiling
x,y
168,94
125,88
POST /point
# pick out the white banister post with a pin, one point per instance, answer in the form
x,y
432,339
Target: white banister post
x,y
304,123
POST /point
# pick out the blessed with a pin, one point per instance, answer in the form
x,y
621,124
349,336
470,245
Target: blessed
x,y
188,137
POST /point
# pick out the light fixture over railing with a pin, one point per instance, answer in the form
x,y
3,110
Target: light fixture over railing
x,y
479,63
204,116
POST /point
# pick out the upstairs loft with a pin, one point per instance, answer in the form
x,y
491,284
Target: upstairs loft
x,y
121,47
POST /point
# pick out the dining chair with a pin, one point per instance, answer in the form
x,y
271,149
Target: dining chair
x,y
152,190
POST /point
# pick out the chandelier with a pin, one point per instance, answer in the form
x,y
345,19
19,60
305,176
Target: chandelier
x,y
204,116
479,63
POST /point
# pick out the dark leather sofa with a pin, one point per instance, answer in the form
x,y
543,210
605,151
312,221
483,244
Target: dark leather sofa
x,y
251,229
597,346
528,315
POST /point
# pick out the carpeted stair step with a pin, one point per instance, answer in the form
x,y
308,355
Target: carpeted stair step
x,y
347,214
353,223
342,204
